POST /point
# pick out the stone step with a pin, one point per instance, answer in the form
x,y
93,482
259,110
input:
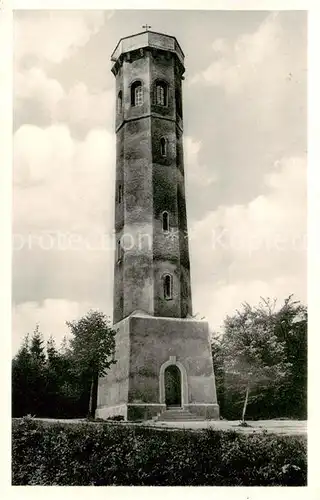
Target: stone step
x,y
185,418
177,415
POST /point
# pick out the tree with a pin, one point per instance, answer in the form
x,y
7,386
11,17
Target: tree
x,y
37,349
44,381
291,327
21,369
52,352
93,349
38,373
29,376
253,354
218,366
54,402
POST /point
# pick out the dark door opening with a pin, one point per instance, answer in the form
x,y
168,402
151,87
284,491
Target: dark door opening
x,y
172,382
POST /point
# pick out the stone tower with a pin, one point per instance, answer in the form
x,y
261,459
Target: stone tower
x,y
163,355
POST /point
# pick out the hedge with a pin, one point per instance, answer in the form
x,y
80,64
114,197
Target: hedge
x,y
86,454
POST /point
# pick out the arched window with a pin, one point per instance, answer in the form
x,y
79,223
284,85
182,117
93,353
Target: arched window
x,y
161,94
163,146
167,286
119,102
165,221
136,94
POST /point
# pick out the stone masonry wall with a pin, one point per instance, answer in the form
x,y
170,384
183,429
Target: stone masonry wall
x,y
153,341
113,388
151,184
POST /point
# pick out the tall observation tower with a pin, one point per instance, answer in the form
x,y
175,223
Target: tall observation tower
x,y
163,355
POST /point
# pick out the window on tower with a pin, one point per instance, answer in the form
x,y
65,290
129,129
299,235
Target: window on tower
x,y
119,102
167,286
178,103
119,251
161,94
119,193
163,146
165,221
136,94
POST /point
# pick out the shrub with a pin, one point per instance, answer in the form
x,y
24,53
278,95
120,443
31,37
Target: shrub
x,y
89,454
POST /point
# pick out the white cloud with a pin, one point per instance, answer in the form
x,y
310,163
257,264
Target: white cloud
x,y
263,77
78,107
34,84
63,216
256,93
54,35
222,299
259,246
51,315
60,182
250,57
220,45
87,109
197,172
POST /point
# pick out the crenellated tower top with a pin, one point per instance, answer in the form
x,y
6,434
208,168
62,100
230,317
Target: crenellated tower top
x,y
146,40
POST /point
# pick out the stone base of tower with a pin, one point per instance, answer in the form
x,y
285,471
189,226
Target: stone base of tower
x,y
146,346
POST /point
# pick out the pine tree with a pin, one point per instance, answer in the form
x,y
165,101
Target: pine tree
x,y
37,386
37,348
21,378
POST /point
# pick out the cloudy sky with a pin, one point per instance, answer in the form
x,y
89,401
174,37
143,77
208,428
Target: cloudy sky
x,y
245,159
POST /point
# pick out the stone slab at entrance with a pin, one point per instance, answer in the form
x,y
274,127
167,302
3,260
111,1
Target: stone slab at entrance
x,y
147,349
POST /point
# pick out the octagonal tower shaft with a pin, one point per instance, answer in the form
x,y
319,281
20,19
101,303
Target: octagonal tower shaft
x,y
152,269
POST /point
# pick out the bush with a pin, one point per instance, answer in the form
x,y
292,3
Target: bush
x,y
85,454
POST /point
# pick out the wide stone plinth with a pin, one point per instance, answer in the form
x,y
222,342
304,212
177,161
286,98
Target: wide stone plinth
x,y
145,346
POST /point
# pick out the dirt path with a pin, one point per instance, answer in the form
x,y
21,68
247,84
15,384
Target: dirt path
x,y
289,427
292,427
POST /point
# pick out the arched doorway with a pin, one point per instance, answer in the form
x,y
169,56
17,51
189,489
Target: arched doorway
x,y
172,383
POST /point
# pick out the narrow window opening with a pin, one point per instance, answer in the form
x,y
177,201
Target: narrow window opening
x,y
178,103
119,251
119,193
119,102
165,221
136,94
167,286
163,146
